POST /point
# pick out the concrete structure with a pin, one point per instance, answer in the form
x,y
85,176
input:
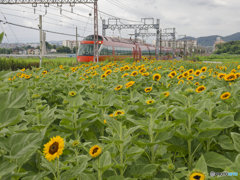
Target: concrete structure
x,y
36,51
53,51
70,44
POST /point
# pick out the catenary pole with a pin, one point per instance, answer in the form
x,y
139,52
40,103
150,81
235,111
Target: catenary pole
x,y
76,46
40,36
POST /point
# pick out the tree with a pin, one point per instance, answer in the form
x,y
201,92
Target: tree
x,y
54,46
1,37
74,49
48,46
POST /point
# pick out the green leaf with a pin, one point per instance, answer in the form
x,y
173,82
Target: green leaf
x,y
133,151
50,165
179,114
236,140
163,126
10,117
74,171
6,167
179,98
105,161
160,110
144,170
87,176
190,110
225,142
14,99
116,178
209,126
202,165
112,123
216,160
37,177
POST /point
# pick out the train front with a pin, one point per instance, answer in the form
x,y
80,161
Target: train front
x,y
86,49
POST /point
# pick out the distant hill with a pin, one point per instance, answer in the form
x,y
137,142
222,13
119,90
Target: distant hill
x,y
209,40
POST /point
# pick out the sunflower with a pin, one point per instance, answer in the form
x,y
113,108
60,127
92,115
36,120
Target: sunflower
x,y
54,148
27,77
72,93
124,75
180,81
166,94
150,101
118,112
122,69
233,70
186,74
142,70
75,143
203,77
118,87
237,75
221,75
126,67
104,121
148,89
197,176
145,74
180,76
200,89
204,69
230,77
190,71
23,69
103,76
156,77
190,78
225,95
44,72
111,115
197,72
95,151
108,72
173,73
134,73
170,76
129,84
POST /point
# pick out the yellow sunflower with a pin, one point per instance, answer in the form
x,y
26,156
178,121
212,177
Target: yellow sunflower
x,y
54,148
190,71
230,77
180,76
186,74
190,78
75,143
156,77
72,93
150,101
197,176
134,73
166,94
118,87
203,77
225,95
200,89
197,72
180,81
204,69
173,73
129,84
44,72
108,72
95,151
148,89
118,112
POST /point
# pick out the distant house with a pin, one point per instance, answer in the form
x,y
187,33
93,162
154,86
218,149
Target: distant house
x,y
36,51
23,51
53,51
15,51
30,51
218,41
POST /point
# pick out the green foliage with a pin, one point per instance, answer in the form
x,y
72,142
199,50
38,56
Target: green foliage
x,y
1,37
63,49
231,47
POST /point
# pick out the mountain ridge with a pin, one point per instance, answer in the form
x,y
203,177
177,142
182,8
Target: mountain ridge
x,y
210,40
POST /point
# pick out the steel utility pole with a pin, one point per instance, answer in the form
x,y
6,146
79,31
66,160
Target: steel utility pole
x,y
135,26
185,40
160,43
76,46
96,57
40,36
59,4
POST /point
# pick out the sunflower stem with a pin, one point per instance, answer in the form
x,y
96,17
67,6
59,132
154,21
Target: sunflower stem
x,y
99,171
58,173
121,150
151,139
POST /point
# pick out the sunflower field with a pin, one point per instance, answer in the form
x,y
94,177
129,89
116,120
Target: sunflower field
x,y
144,120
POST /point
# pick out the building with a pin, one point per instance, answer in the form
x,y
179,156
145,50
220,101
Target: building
x,y
53,51
30,51
218,41
179,44
70,44
36,51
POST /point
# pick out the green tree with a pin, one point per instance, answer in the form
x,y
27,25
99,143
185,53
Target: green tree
x,y
48,46
1,37
54,46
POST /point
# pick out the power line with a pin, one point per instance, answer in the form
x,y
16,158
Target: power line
x,y
9,25
113,16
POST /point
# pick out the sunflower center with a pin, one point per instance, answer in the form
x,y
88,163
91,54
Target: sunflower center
x,y
197,177
201,89
53,148
226,95
95,150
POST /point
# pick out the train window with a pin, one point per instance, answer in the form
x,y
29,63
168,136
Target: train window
x,y
152,51
91,38
129,51
86,49
104,50
110,50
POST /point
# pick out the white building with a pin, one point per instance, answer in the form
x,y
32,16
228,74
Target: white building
x,y
36,51
179,44
70,44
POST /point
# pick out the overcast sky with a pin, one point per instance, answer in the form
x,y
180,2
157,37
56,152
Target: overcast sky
x,y
195,18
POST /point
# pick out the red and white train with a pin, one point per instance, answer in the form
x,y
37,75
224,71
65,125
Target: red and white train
x,y
120,49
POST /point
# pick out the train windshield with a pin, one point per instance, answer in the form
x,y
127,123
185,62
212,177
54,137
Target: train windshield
x,y
87,49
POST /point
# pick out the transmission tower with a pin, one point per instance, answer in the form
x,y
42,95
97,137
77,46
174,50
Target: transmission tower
x,y
134,26
59,3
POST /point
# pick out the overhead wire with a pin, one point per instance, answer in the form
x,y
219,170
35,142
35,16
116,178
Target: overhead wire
x,y
9,25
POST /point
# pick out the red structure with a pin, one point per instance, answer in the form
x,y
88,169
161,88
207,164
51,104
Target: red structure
x,y
120,49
